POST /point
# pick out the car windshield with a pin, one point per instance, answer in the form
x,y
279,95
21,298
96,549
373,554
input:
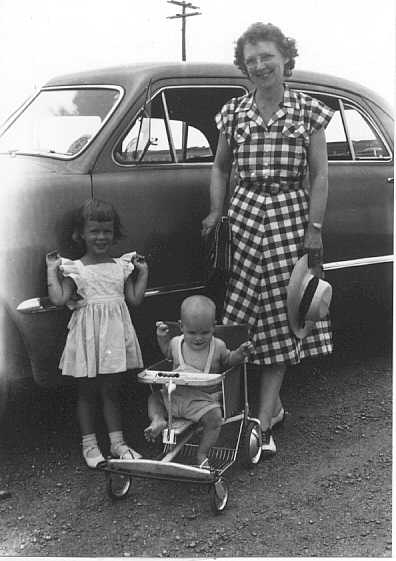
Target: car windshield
x,y
59,121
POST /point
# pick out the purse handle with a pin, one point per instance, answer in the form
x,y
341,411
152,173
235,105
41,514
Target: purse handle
x,y
230,173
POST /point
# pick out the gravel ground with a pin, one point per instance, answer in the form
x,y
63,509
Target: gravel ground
x,y
326,493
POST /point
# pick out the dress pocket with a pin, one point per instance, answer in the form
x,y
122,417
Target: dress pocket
x,y
295,130
242,134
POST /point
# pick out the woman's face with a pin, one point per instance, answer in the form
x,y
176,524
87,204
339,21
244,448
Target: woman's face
x,y
264,63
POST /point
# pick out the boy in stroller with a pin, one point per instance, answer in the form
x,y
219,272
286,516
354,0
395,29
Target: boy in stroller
x,y
195,350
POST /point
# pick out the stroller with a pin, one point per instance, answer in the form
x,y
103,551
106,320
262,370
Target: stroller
x,y
178,451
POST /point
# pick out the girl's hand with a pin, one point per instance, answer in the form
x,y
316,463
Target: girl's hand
x,y
53,260
139,262
162,329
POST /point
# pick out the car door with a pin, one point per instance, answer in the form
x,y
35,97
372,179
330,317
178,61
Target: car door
x,y
359,217
157,176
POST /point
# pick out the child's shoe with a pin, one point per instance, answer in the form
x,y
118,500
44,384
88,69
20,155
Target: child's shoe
x,y
124,452
92,455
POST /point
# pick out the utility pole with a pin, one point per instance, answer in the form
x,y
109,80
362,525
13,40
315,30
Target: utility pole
x,y
184,15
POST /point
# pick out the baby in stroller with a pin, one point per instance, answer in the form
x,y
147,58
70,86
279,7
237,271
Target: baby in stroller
x,y
195,350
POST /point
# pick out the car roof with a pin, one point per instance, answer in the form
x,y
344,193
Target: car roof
x,y
133,77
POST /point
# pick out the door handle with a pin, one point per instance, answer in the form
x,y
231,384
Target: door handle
x,y
389,179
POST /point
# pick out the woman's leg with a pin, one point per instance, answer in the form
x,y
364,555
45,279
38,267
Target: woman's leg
x,y
270,385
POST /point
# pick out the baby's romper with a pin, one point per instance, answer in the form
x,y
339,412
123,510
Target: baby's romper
x,y
194,402
101,338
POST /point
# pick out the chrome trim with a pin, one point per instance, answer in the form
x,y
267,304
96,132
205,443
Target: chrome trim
x,y
160,91
347,264
164,291
71,87
361,262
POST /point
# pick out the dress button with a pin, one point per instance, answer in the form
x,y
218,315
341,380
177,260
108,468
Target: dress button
x,y
274,189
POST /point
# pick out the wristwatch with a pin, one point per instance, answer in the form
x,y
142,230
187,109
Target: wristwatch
x,y
316,225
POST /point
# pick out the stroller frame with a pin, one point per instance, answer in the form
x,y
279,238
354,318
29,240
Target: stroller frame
x,y
173,464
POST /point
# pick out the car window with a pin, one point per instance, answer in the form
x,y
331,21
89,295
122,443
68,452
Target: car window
x,y
60,122
350,135
177,126
366,143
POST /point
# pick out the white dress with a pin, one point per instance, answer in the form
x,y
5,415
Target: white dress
x,y
101,338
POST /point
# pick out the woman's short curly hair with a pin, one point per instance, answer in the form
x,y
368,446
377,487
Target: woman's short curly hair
x,y
266,32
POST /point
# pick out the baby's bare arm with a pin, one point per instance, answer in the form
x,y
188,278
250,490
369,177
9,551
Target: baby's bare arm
x,y
243,351
163,337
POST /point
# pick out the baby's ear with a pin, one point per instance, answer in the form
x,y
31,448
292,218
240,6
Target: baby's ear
x,y
76,236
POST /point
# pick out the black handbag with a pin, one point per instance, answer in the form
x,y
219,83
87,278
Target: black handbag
x,y
219,254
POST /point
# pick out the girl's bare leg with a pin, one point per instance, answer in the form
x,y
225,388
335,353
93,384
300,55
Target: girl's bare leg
x,y
110,391
86,404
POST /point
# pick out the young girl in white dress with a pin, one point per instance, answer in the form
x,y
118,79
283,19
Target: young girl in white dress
x,y
101,342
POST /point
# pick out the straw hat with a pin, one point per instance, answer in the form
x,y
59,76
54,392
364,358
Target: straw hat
x,y
308,298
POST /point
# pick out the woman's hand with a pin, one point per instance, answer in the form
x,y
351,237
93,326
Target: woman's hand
x,y
210,222
313,245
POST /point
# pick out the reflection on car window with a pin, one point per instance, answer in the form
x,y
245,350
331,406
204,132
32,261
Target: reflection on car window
x,y
178,126
337,144
59,122
366,143
350,128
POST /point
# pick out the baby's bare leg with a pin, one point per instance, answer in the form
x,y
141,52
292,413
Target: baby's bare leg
x,y
211,422
157,414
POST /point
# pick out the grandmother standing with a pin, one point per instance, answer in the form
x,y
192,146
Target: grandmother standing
x,y
275,136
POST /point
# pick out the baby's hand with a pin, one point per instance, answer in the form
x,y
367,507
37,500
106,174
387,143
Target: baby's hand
x,y
139,262
162,329
246,348
53,260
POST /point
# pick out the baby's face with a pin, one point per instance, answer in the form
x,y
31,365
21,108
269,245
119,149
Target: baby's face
x,y
198,331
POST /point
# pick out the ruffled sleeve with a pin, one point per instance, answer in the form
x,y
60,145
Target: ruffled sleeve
x,y
126,262
70,268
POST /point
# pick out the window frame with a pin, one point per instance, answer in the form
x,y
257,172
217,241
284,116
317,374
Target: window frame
x,y
172,151
120,89
341,99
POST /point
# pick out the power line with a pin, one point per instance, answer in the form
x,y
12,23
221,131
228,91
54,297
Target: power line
x,y
184,5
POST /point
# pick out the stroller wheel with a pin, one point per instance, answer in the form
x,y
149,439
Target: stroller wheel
x,y
251,444
218,496
117,485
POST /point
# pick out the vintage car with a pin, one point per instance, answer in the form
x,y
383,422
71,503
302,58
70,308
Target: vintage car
x,y
144,137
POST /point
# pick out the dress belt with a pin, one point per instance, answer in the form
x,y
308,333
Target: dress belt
x,y
270,187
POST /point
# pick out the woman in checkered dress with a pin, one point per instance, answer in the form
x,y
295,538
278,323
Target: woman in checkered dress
x,y
276,138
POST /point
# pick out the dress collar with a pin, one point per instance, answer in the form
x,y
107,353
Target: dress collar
x,y
248,106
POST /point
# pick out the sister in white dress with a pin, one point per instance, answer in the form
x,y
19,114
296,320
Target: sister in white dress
x,y
101,342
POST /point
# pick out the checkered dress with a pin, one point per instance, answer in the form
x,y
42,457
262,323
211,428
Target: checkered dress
x,y
268,229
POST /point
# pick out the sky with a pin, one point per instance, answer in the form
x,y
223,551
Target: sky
x,y
354,39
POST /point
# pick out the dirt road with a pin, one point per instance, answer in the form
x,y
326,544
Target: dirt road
x,y
326,493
